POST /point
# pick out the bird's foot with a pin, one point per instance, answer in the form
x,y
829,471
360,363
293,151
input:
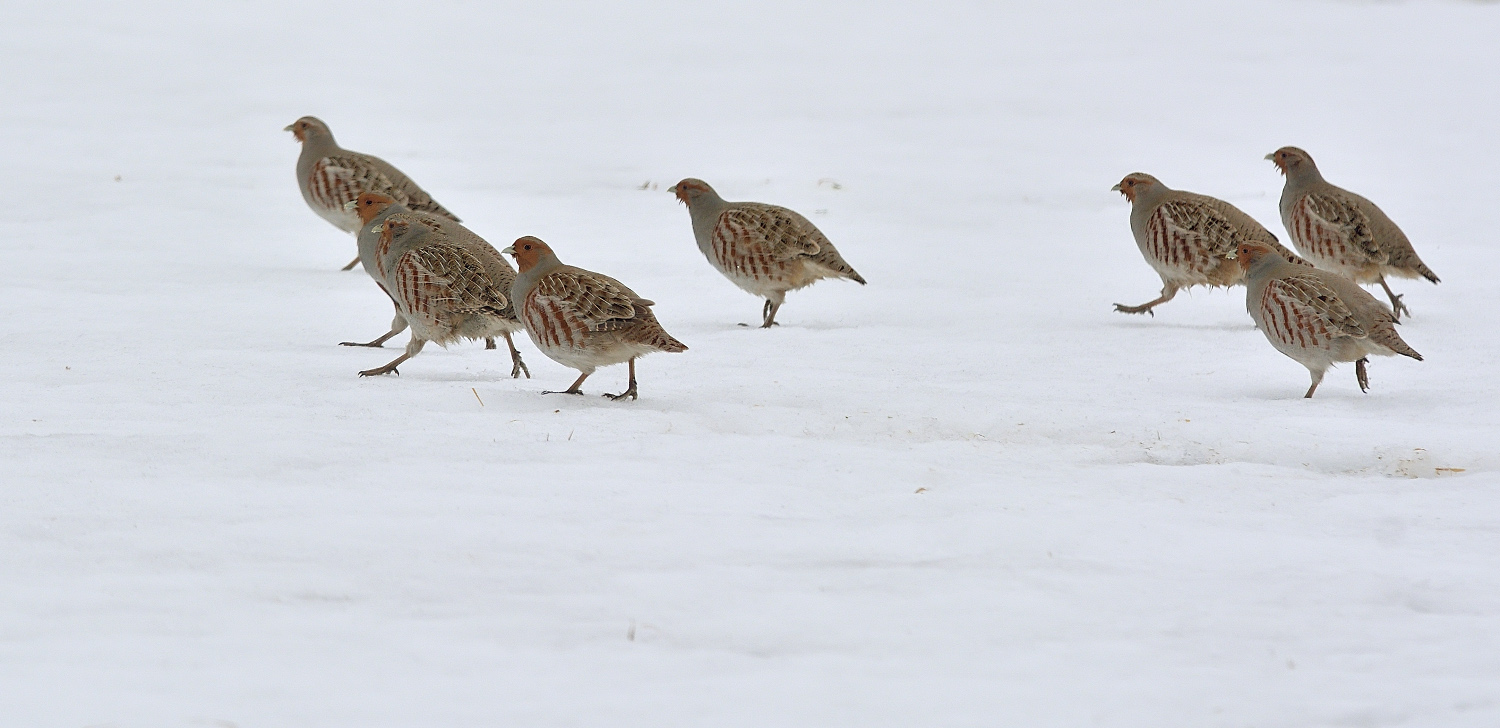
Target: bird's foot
x,y
565,391
387,369
518,368
627,393
376,344
1143,308
1362,375
1399,308
761,326
490,344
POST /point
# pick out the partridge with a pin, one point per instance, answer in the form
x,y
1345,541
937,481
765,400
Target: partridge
x,y
1340,231
372,210
331,177
581,319
1317,317
1188,238
446,284
764,249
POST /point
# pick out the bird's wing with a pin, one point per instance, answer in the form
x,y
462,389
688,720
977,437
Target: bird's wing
x,y
1319,300
1341,216
339,178
1195,221
448,276
601,303
754,231
352,173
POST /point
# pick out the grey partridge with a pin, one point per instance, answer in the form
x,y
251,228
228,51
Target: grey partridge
x,y
1317,317
764,249
1189,239
446,283
373,209
581,319
1340,231
330,177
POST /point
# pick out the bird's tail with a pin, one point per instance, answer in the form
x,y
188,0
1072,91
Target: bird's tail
x,y
1385,335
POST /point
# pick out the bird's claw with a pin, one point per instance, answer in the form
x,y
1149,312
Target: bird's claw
x,y
563,391
627,393
380,371
1122,308
370,344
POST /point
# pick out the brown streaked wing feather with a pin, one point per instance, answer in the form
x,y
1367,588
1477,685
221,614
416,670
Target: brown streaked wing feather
x,y
769,230
1340,214
1322,300
598,301
1199,224
465,282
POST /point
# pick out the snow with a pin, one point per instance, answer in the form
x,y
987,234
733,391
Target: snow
x,y
966,494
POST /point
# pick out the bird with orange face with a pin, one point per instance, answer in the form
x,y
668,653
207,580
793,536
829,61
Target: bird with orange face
x,y
1316,317
446,285
1187,238
330,177
1340,231
581,319
764,249
373,209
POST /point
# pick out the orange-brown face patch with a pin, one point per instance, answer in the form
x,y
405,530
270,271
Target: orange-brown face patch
x,y
529,250
370,204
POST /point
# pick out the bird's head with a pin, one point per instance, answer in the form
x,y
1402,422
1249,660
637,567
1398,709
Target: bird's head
x,y
528,251
1135,184
368,205
1290,160
690,190
308,126
1248,254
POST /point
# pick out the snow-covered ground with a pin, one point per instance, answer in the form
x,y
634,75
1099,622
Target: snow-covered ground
x,y
968,494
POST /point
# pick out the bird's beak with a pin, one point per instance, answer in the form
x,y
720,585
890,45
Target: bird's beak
x,y
509,250
1271,157
1116,188
1231,255
289,126
672,189
350,205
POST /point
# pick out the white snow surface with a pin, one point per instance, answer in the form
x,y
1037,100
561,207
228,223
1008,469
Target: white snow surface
x,y
967,494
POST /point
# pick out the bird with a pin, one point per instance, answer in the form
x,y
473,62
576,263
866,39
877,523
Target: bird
x,y
1317,317
330,177
1187,238
1340,231
373,209
446,284
581,319
764,249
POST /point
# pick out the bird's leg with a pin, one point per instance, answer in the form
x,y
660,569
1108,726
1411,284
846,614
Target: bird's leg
x,y
767,315
376,344
1396,305
770,315
575,388
1317,378
398,325
1361,374
387,369
352,263
516,365
629,392
1167,293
